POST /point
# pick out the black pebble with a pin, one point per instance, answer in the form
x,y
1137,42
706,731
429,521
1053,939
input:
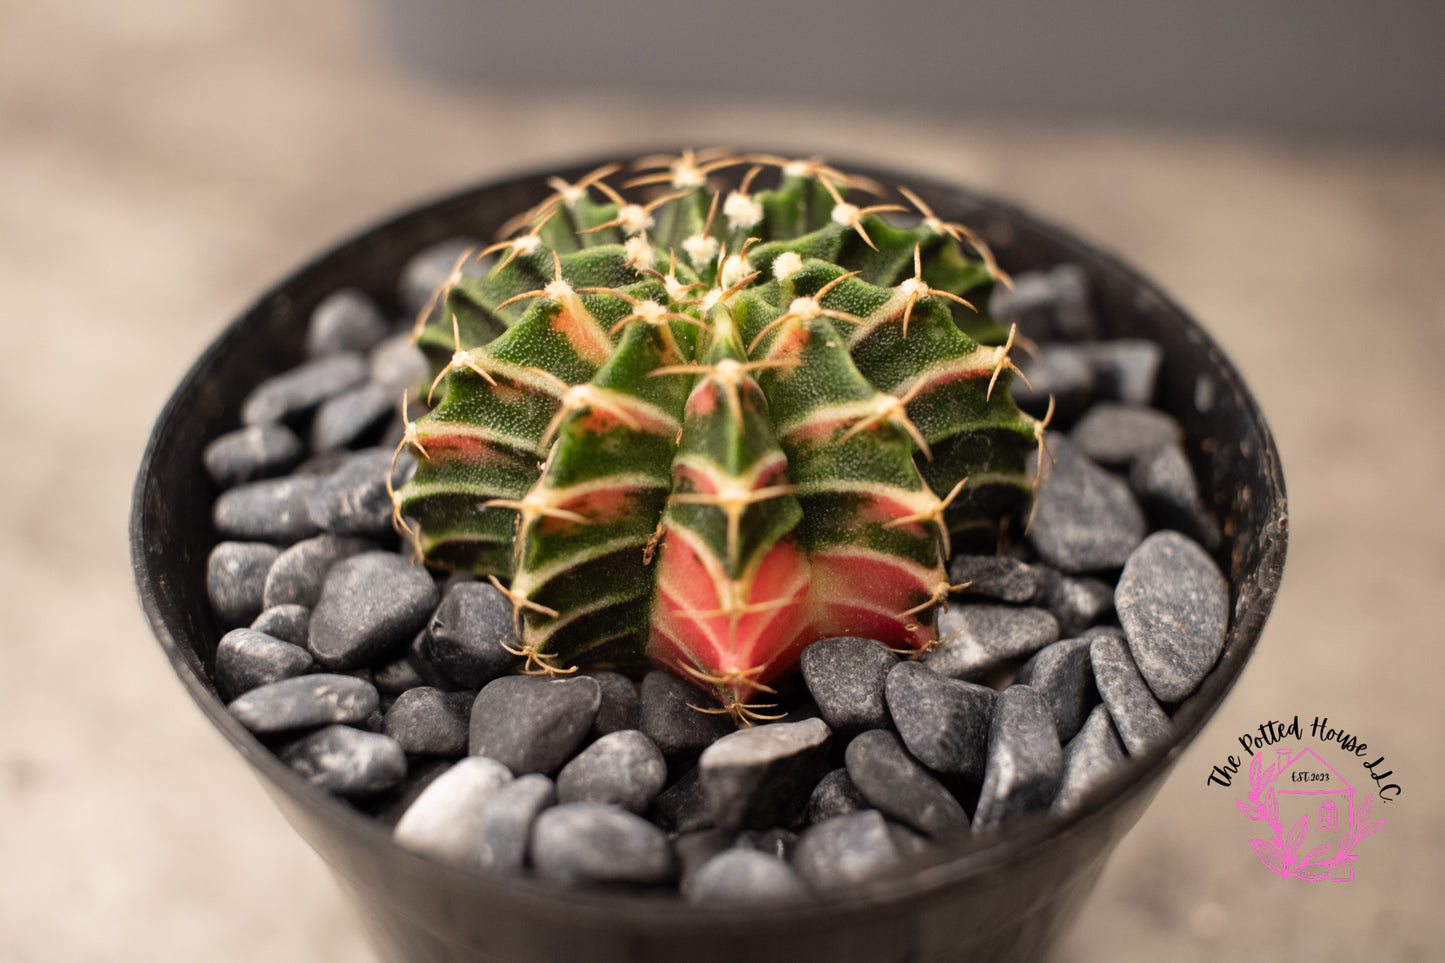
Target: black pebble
x,y
470,633
669,719
236,578
845,676
533,724
371,605
247,659
1025,760
893,782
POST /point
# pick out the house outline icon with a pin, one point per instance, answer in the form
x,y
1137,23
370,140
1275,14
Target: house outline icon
x,y
1328,802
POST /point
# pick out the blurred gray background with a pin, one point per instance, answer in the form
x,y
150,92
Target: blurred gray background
x,y
1281,172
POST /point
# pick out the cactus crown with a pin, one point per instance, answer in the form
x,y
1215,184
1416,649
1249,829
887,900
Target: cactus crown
x,y
710,426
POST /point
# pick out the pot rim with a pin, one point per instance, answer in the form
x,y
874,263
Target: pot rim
x,y
953,864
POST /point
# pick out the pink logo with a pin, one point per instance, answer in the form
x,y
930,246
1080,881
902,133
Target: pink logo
x,y
1328,817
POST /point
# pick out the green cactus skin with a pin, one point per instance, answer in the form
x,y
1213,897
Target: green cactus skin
x,y
705,431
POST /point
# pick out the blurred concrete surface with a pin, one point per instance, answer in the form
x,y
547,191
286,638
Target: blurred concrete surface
x,y
161,163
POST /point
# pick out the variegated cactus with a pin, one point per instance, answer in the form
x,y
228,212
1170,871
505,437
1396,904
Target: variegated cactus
x,y
706,429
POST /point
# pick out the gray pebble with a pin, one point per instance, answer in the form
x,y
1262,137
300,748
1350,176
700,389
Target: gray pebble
x,y
398,676
235,579
256,451
977,639
507,820
1061,372
347,761
1025,760
533,724
744,876
388,808
353,500
1078,602
1164,482
1048,305
430,268
1174,605
272,510
944,722
1114,434
694,849
894,783
303,388
341,420
996,577
446,820
845,676
669,719
682,807
297,575
621,706
371,604
400,365
846,850
834,795
623,768
1125,369
909,843
1085,518
1089,758
418,654
305,701
289,623
762,776
593,843
247,659
1138,717
429,722
345,320
775,841
1064,678
469,634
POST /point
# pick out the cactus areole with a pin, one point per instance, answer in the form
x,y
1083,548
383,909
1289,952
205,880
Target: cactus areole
x,y
711,413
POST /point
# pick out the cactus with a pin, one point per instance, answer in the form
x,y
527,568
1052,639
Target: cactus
x,y
704,429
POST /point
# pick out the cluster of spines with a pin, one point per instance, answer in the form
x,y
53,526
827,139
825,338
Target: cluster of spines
x,y
765,444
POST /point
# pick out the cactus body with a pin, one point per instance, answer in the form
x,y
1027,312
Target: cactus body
x,y
712,429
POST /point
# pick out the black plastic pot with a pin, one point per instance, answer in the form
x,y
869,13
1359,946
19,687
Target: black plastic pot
x,y
1006,900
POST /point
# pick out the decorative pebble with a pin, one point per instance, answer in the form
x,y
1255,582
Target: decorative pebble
x,y
1164,482
446,820
908,842
694,849
1078,603
621,706
682,807
1063,677
1089,758
345,320
387,808
305,701
744,876
1125,369
399,364
429,722
272,510
593,843
354,499
995,577
470,633
1048,305
247,659
1174,605
1140,721
775,841
1115,434
253,452
846,850
289,623
397,676
1059,372
834,795
418,655
507,820
533,724
624,768
302,388
341,420
762,776
944,722
669,719
371,604
235,579
297,575
977,639
347,761
430,268
1085,518
845,676
1025,760
894,783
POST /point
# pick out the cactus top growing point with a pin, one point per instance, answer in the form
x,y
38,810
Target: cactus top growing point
x,y
707,424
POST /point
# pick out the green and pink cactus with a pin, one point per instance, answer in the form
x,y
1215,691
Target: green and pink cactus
x,y
704,430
